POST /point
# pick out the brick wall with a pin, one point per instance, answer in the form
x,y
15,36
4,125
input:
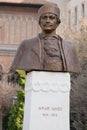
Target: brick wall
x,y
6,61
16,24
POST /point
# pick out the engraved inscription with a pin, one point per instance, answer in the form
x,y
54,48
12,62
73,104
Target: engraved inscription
x,y
48,111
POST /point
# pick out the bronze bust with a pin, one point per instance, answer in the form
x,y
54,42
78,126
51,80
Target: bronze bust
x,y
48,51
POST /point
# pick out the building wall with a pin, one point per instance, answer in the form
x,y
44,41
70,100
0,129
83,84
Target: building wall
x,y
16,24
76,10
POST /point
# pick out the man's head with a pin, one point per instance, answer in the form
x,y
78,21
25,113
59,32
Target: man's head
x,y
49,17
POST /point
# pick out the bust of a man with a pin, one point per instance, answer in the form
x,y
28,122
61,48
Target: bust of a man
x,y
48,51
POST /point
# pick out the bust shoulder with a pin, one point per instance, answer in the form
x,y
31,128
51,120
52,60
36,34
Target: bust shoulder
x,y
68,44
29,41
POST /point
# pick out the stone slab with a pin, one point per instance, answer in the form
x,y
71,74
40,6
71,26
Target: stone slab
x,y
47,101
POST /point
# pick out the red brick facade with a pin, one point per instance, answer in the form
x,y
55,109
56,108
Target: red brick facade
x,y
16,24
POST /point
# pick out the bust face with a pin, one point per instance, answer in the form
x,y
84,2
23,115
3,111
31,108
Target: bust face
x,y
48,22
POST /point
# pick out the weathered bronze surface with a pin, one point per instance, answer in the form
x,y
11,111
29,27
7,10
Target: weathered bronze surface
x,y
48,51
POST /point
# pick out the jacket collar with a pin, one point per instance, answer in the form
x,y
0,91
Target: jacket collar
x,y
44,36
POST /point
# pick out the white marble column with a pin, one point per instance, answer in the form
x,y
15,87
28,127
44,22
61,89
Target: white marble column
x,y
47,101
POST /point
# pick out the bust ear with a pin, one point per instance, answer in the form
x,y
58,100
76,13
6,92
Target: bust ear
x,y
59,21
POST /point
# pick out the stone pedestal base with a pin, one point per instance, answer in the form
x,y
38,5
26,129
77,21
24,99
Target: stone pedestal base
x,y
47,101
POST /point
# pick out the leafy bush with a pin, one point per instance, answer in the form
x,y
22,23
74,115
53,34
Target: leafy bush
x,y
16,115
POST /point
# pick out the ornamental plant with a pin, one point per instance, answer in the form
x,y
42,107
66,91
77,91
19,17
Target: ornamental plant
x,y
15,121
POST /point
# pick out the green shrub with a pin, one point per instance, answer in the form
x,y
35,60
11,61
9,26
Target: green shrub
x,y
15,121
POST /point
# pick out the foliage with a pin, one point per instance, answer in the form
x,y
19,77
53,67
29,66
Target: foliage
x,y
7,91
16,115
5,118
77,34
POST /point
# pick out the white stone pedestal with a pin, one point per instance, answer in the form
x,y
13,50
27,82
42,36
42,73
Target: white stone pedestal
x,y
47,101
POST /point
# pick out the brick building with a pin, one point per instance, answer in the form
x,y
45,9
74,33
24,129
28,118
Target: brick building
x,y
18,21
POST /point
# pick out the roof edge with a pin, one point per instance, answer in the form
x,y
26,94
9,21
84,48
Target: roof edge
x,y
39,2
37,5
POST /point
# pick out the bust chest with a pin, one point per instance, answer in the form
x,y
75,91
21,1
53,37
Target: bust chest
x,y
52,59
